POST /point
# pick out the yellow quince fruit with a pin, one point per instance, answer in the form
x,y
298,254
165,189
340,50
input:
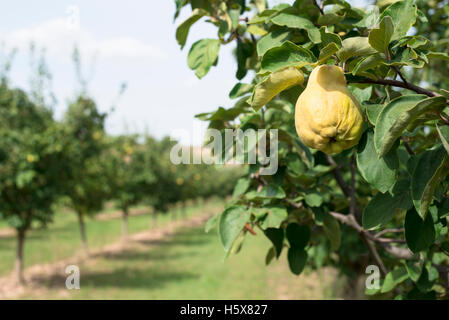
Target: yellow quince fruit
x,y
327,115
31,158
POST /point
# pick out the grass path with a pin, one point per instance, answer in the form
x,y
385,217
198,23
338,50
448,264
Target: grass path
x,y
61,239
180,262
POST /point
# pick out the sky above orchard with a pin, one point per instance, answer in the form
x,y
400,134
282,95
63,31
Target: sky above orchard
x,y
133,43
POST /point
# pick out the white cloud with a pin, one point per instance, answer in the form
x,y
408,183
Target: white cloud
x,y
59,38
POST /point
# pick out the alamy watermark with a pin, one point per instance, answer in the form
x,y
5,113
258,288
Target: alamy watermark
x,y
372,282
73,279
232,146
73,17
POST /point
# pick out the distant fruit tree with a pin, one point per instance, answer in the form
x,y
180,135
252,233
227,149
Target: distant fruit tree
x,y
363,176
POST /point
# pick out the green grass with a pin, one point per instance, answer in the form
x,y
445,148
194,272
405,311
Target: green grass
x,y
62,237
188,265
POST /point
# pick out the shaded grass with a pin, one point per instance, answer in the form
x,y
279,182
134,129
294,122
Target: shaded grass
x,y
189,265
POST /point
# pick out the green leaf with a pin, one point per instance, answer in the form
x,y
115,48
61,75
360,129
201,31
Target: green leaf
x,y
367,63
271,254
393,278
202,55
274,84
332,230
260,5
383,206
211,223
183,30
286,55
256,30
24,177
427,279
298,236
231,223
443,133
244,51
328,38
240,187
271,40
267,192
327,52
413,270
361,94
432,168
381,173
313,199
372,112
380,38
406,57
438,55
398,114
297,22
297,259
354,47
330,18
274,218
370,16
419,233
276,237
240,89
403,14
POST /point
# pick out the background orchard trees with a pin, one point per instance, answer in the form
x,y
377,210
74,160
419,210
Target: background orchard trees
x,y
128,173
31,159
165,191
383,202
86,185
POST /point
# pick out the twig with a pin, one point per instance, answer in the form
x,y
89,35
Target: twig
x,y
338,177
381,233
400,84
294,204
407,147
319,6
352,201
401,253
442,117
251,230
399,73
375,255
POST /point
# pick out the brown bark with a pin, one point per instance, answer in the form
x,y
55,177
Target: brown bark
x,y
125,215
19,255
83,233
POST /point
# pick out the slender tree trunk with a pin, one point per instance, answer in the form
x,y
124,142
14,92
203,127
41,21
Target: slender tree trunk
x,y
19,255
125,214
184,210
174,212
153,224
83,233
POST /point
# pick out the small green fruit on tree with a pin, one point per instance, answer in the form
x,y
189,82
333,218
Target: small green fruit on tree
x,y
31,164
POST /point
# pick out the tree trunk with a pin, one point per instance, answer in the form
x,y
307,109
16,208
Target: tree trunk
x,y
184,210
19,255
153,224
83,233
174,212
125,214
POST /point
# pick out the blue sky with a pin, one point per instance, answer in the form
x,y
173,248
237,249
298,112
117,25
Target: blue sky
x,y
133,43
